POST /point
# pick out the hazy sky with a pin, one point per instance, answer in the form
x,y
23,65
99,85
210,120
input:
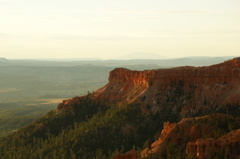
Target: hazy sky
x,y
113,28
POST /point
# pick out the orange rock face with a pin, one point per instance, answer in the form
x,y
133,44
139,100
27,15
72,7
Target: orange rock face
x,y
188,130
184,90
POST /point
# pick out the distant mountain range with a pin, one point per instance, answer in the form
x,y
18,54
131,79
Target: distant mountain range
x,y
3,59
141,55
144,61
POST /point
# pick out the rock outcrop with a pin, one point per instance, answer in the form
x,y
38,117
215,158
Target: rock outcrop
x,y
182,90
185,91
188,133
227,145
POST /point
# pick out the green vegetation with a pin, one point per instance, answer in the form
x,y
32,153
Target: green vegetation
x,y
16,114
105,130
93,130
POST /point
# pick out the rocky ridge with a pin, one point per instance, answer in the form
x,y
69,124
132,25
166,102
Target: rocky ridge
x,y
206,148
188,134
184,90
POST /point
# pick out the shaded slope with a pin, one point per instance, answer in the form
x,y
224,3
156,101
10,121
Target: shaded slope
x,y
73,133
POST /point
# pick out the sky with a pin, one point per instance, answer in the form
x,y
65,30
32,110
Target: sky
x,y
107,29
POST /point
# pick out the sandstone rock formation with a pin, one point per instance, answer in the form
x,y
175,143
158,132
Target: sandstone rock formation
x,y
188,133
183,90
206,148
186,91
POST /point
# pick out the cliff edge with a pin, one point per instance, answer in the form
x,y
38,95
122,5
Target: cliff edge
x,y
185,90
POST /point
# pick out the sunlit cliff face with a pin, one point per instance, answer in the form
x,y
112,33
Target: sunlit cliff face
x,y
184,88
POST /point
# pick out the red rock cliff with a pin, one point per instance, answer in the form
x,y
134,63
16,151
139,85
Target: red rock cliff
x,y
187,90
227,72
